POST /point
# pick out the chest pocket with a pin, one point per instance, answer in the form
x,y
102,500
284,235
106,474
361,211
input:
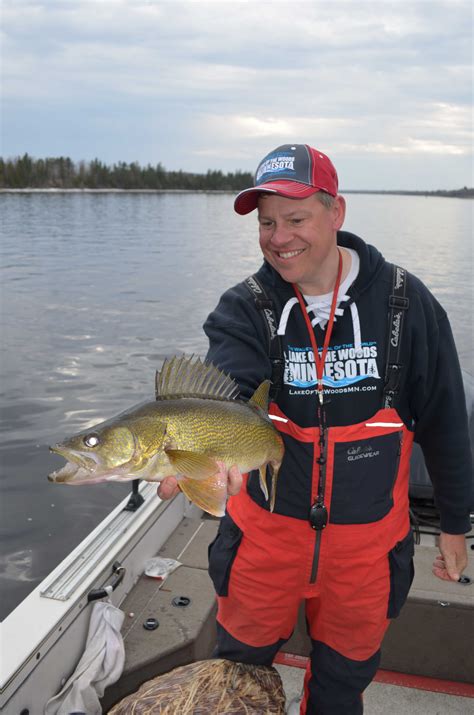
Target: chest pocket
x,y
364,475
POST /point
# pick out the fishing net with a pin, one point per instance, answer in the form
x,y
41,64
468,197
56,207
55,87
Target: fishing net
x,y
208,687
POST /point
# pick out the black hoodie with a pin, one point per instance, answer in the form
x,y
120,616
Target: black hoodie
x,y
431,399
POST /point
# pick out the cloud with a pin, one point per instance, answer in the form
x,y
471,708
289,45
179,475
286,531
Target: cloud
x,y
187,82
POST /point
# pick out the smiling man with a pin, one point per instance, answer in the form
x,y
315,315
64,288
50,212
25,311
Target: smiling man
x,y
363,363
298,241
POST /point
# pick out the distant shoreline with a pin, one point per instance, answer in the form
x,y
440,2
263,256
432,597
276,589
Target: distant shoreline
x,y
465,193
25,174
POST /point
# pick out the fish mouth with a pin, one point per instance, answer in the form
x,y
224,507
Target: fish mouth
x,y
81,469
77,470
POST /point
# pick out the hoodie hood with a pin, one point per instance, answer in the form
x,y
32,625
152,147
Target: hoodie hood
x,y
371,262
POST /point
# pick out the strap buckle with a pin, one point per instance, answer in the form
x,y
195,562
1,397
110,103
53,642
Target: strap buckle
x,y
398,302
263,303
392,378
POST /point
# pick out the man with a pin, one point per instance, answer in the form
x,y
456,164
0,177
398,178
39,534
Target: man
x,y
369,366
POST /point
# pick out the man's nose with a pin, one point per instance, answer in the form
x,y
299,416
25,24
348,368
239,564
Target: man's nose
x,y
281,234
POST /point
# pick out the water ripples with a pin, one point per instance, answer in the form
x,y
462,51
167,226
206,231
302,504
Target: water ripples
x,y
97,290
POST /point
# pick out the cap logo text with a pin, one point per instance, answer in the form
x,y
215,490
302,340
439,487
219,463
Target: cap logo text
x,y
275,165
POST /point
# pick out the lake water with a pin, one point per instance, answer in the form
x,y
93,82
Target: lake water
x,y
97,289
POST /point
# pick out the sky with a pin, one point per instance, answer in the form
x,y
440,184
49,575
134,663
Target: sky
x,y
384,88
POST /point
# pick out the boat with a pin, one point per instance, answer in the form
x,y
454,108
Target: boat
x,y
171,622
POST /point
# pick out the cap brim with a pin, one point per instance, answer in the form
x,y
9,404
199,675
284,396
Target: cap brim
x,y
247,200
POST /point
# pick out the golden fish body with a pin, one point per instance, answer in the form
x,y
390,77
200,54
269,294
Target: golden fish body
x,y
231,432
194,423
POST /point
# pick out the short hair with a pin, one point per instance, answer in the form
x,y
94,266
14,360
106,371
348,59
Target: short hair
x,y
325,199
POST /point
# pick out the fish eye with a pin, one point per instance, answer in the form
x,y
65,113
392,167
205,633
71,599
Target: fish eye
x,y
91,440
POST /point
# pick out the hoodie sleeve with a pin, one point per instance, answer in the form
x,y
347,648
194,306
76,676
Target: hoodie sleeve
x,y
237,342
438,405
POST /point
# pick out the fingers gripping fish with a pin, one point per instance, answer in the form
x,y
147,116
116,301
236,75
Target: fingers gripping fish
x,y
195,422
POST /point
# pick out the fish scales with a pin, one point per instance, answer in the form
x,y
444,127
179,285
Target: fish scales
x,y
195,425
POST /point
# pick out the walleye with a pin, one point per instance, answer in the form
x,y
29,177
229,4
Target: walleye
x,y
195,422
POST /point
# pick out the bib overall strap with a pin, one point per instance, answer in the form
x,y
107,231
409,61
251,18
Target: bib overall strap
x,y
266,307
398,303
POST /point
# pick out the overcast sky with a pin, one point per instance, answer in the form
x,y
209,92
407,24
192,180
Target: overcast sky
x,y
385,88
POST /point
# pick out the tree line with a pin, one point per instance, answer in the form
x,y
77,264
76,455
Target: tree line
x,y
61,172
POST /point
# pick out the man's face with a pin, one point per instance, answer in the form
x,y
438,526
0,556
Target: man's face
x,y
298,236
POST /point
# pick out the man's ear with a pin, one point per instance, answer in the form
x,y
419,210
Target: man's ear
x,y
339,209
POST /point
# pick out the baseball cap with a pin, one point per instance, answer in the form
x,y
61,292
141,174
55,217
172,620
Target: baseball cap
x,y
292,170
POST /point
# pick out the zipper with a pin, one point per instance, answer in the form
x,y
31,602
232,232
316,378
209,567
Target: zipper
x,y
314,566
397,464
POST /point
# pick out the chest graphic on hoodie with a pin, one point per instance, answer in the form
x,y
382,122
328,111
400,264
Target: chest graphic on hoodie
x,y
346,367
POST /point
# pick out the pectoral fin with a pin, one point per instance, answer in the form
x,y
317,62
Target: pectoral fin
x,y
208,494
263,482
274,468
193,464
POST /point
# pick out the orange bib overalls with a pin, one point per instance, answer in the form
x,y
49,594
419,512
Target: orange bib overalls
x,y
350,561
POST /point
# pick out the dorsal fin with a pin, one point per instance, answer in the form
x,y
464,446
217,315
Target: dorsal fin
x,y
190,377
260,396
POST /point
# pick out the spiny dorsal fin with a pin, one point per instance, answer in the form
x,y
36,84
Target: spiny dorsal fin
x,y
260,396
190,377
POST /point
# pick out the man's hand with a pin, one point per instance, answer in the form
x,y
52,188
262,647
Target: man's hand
x,y
169,487
452,559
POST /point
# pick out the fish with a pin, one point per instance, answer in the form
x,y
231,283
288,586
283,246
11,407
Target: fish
x,y
195,424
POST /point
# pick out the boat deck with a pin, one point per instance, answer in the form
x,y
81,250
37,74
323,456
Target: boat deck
x,y
427,666
397,693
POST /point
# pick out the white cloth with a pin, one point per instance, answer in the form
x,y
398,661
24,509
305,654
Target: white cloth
x,y
320,305
100,665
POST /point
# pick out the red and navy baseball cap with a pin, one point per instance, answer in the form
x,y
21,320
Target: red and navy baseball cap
x,y
292,170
